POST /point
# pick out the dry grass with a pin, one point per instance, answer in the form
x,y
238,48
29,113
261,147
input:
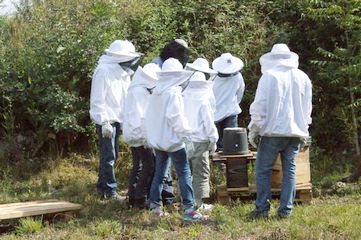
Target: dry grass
x,y
73,179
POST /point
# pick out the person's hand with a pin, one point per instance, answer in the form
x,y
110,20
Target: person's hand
x,y
253,138
107,130
212,147
305,143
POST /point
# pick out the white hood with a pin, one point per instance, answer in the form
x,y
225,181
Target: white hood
x,y
199,106
140,78
168,80
106,59
279,57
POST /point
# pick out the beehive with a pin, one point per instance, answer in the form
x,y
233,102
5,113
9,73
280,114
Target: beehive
x,y
303,173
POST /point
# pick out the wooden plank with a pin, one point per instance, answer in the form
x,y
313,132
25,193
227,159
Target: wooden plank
x,y
221,155
241,189
26,209
26,203
252,188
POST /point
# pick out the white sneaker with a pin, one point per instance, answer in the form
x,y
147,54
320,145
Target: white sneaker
x,y
205,207
190,215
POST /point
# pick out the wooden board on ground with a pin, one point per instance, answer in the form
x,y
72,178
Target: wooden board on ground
x,y
36,208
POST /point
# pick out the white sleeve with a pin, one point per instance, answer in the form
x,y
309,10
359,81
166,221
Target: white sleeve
x,y
98,111
308,101
133,113
240,90
207,118
176,118
258,107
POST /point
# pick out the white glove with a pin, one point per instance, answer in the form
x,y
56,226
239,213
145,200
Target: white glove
x,y
107,130
305,143
253,138
212,147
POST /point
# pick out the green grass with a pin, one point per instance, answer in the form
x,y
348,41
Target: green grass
x,y
333,215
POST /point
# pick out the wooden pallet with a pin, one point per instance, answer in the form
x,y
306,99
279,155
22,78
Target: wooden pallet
x,y
225,195
36,208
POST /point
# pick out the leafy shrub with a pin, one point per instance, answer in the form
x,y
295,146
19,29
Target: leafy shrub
x,y
48,51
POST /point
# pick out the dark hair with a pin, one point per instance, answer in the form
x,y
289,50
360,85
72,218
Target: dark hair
x,y
175,50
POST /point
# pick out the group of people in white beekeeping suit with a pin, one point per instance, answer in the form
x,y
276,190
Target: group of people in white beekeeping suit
x,y
172,113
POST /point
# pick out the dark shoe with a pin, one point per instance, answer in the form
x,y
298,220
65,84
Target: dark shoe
x,y
141,204
255,215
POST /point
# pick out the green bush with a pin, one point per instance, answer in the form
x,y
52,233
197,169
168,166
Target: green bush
x,y
48,51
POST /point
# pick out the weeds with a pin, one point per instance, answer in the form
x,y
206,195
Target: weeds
x,y
331,216
29,226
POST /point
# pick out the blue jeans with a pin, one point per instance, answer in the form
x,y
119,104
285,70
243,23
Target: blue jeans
x,y
141,175
181,164
109,149
168,196
228,122
268,149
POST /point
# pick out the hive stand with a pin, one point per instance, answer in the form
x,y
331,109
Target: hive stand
x,y
237,184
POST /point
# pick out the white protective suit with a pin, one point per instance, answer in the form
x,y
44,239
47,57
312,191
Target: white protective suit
x,y
228,92
282,105
108,90
136,103
165,124
199,104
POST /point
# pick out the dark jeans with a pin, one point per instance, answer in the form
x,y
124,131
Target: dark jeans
x,y
168,197
141,175
228,122
109,148
181,164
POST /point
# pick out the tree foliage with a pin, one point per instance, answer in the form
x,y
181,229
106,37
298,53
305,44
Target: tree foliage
x,y
49,49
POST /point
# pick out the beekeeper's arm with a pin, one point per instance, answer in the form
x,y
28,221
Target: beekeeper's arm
x,y
133,115
176,119
258,110
308,101
98,111
207,120
241,88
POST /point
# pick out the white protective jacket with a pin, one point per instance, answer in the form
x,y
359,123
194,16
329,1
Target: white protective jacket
x,y
108,90
283,101
228,92
199,109
165,124
135,106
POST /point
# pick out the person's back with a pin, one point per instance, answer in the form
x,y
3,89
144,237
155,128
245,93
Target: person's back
x,y
167,131
228,92
228,89
198,110
283,102
288,100
280,114
198,98
136,104
165,124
